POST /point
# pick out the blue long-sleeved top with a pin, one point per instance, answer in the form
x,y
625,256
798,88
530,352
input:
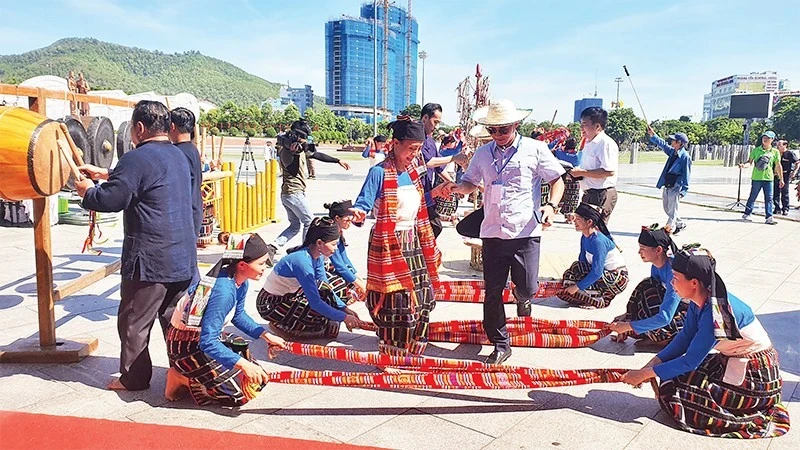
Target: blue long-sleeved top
x,y
308,271
365,153
341,263
668,306
680,165
152,186
572,158
373,188
452,151
696,339
196,171
598,245
225,296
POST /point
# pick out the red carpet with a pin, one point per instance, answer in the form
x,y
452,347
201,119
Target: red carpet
x,y
40,431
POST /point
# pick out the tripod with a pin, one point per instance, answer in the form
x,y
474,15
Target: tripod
x,y
244,162
738,202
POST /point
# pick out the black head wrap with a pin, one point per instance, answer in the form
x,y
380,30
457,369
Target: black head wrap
x,y
405,129
696,263
247,248
340,209
653,236
323,228
595,214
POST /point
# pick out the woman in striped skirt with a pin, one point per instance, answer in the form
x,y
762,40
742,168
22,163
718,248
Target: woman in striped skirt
x,y
297,298
655,311
599,274
734,392
344,280
403,258
215,366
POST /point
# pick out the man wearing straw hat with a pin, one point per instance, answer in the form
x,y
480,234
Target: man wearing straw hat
x,y
511,168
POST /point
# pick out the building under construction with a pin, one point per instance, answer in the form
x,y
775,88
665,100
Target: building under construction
x,y
351,55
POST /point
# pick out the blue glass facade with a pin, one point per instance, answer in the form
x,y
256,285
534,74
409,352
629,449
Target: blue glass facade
x,y
349,62
584,103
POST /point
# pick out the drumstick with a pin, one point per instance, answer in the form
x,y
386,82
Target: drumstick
x,y
553,121
634,93
75,153
61,146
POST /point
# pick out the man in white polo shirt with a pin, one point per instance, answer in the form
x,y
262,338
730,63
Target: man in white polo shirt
x,y
600,162
512,169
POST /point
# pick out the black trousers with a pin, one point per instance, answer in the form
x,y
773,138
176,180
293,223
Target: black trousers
x,y
521,257
605,198
436,222
781,194
142,302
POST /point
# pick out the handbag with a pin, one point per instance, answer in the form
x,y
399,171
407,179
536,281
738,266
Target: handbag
x,y
470,225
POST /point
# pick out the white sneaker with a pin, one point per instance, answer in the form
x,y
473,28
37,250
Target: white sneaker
x,y
771,221
746,218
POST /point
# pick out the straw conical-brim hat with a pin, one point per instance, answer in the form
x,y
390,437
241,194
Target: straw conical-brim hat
x,y
501,112
480,132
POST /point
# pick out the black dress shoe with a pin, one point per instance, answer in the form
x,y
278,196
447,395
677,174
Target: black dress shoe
x,y
498,357
523,308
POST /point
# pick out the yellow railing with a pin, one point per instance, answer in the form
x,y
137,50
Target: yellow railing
x,y
247,207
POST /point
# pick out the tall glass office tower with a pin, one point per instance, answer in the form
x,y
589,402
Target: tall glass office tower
x,y
349,63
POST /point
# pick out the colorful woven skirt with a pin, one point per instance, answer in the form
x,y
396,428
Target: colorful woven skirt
x,y
447,207
572,194
402,321
344,290
702,403
523,332
608,286
209,381
292,315
472,291
645,302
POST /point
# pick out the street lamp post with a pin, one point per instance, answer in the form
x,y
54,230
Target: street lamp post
x,y
617,80
422,55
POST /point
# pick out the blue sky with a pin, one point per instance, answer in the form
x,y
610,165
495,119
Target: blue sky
x,y
540,54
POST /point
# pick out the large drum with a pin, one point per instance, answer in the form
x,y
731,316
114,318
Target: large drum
x,y
31,164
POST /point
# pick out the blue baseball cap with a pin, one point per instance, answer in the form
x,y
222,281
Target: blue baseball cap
x,y
770,134
680,137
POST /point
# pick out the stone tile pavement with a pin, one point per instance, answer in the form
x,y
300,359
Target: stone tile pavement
x,y
761,264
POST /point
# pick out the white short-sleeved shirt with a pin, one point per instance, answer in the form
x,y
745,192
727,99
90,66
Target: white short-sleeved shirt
x,y
516,174
601,153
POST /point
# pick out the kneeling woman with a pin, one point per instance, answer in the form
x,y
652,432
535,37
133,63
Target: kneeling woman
x,y
297,298
403,258
734,392
344,280
201,358
655,311
599,268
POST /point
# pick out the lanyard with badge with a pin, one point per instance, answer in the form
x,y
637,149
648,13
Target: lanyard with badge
x,y
496,192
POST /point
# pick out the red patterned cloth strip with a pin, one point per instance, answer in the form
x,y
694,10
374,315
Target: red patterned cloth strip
x,y
471,291
523,332
433,373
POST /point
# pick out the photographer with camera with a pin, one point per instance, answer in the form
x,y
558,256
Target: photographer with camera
x,y
295,147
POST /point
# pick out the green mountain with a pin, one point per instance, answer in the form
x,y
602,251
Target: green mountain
x,y
112,66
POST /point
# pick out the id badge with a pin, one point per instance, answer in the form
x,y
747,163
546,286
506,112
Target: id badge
x,y
735,370
496,193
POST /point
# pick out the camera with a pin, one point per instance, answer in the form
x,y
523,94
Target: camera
x,y
298,138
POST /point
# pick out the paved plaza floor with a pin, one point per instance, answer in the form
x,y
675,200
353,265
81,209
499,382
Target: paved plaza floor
x,y
760,264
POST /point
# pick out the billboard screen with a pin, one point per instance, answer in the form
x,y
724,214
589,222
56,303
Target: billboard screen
x,y
750,106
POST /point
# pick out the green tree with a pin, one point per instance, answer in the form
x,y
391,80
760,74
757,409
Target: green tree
x,y
786,118
575,130
624,127
290,114
724,131
685,119
414,110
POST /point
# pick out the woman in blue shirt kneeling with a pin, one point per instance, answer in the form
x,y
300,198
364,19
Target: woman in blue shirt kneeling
x,y
297,298
216,366
734,392
344,280
655,311
599,268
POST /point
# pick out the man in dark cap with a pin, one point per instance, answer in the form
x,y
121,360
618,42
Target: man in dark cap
x,y
674,179
294,165
152,187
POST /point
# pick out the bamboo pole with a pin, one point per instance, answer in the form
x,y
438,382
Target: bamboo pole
x,y
240,199
273,188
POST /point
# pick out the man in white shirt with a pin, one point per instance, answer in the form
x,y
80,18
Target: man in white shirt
x,y
512,169
600,163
